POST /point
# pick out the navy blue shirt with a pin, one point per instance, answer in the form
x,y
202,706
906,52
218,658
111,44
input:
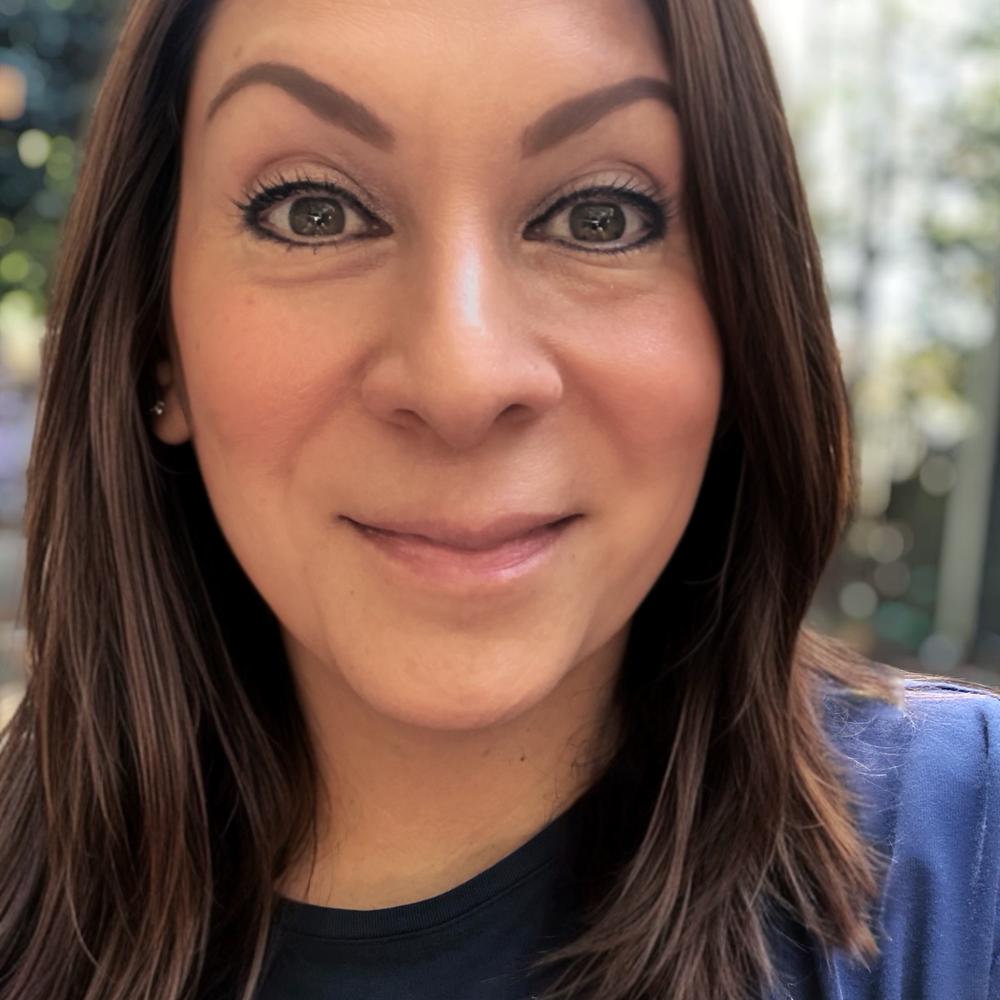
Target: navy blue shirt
x,y
928,775
473,942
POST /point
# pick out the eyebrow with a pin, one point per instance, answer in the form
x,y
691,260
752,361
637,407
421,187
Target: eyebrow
x,y
577,114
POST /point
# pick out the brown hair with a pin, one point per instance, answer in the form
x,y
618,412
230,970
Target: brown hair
x,y
154,784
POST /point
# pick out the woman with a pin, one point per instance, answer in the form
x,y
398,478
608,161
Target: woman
x,y
441,437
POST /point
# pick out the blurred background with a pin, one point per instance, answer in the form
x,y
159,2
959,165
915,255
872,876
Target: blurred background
x,y
895,108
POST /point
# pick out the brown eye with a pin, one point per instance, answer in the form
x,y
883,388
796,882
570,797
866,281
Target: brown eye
x,y
308,213
597,223
601,216
315,217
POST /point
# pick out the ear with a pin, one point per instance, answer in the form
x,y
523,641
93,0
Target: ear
x,y
173,426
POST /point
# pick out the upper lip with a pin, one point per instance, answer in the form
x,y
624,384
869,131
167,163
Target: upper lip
x,y
503,529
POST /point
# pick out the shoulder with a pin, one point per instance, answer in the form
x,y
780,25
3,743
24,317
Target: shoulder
x,y
939,743
920,701
955,730
926,773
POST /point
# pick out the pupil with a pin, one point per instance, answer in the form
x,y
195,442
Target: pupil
x,y
315,217
595,222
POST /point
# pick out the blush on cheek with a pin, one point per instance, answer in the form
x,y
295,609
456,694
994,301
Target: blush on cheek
x,y
657,386
256,387
667,404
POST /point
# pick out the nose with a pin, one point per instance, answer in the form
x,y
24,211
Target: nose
x,y
460,351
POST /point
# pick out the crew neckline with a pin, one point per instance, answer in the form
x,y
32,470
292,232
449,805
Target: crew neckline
x,y
531,858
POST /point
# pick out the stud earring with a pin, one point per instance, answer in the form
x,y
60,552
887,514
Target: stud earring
x,y
158,408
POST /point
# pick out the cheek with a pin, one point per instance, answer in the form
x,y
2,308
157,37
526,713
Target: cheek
x,y
657,391
654,401
261,371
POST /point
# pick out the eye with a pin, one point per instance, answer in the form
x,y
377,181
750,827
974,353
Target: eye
x,y
309,212
306,212
601,215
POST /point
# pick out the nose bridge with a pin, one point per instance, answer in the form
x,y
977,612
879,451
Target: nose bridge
x,y
461,281
464,344
462,351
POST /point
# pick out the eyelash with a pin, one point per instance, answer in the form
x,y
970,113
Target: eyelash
x,y
655,203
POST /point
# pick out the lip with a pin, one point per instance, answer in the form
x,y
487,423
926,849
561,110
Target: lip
x,y
462,569
498,532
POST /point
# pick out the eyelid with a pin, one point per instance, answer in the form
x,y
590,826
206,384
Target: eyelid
x,y
636,198
622,185
315,176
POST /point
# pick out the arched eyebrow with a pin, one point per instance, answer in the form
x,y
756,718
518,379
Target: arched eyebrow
x,y
334,105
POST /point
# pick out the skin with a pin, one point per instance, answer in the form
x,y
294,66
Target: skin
x,y
451,368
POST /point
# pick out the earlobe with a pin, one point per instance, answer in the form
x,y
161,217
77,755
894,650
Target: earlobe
x,y
168,414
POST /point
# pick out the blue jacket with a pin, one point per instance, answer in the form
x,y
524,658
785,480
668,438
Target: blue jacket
x,y
929,778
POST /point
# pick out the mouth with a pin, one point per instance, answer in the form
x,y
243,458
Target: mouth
x,y
447,535
467,568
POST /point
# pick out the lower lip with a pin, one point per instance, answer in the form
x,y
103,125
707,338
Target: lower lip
x,y
443,564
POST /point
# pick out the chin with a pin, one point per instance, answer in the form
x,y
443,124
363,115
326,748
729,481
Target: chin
x,y
456,712
453,697
459,718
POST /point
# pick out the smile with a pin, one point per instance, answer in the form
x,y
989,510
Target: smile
x,y
439,563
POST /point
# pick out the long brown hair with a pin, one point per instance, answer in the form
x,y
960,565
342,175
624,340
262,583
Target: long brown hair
x,y
154,782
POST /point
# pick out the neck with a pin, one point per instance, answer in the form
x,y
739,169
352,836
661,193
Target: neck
x,y
406,813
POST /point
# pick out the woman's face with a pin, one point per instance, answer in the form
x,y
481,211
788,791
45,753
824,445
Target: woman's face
x,y
398,305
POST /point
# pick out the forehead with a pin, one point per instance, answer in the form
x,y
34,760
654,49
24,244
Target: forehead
x,y
475,63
